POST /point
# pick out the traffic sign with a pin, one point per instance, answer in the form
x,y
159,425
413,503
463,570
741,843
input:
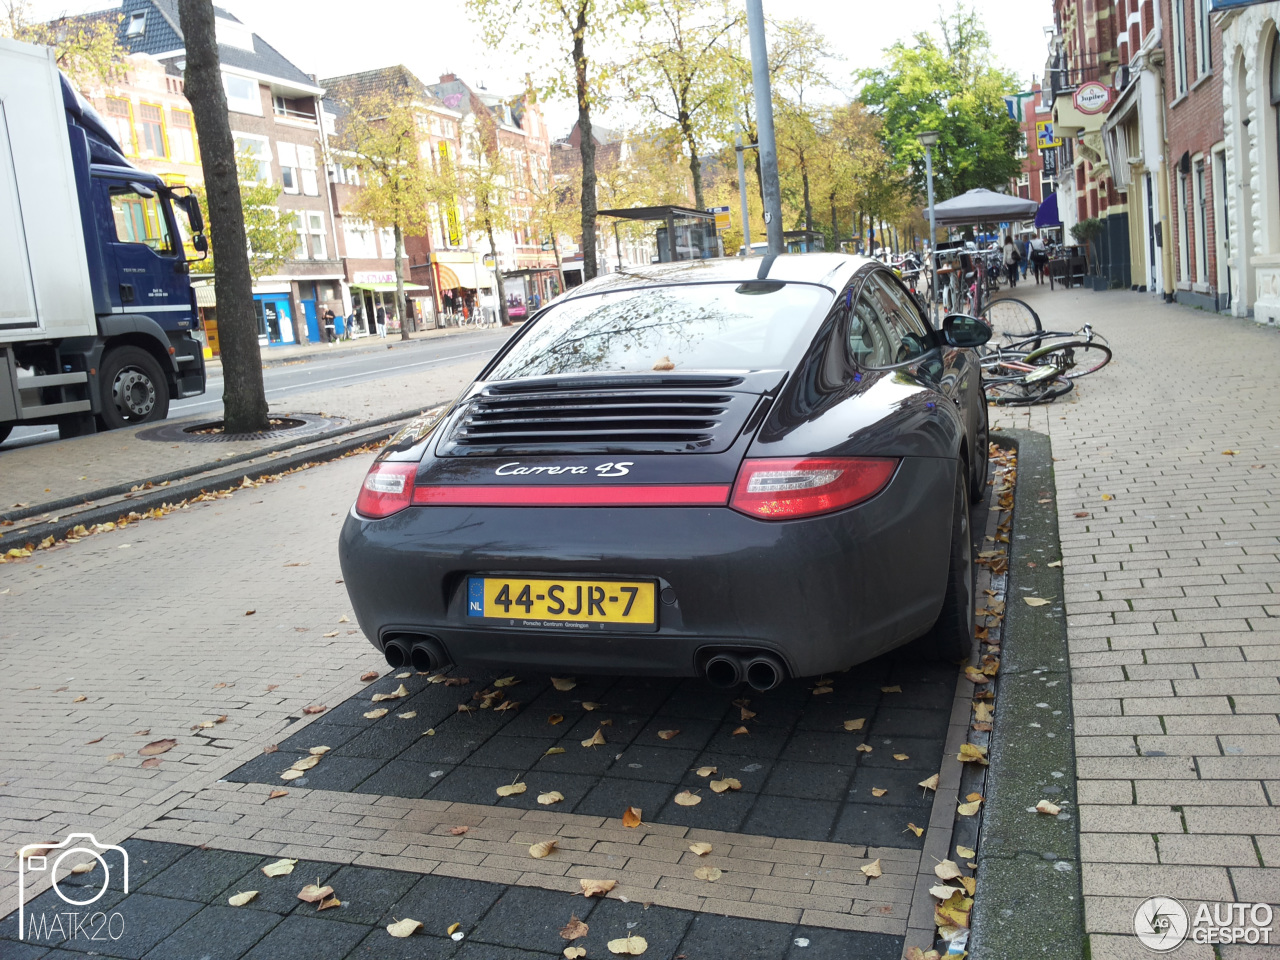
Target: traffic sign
x,y
723,222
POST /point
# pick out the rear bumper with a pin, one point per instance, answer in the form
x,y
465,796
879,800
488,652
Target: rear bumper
x,y
822,593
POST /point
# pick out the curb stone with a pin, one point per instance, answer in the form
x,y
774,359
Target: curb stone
x,y
1029,900
175,492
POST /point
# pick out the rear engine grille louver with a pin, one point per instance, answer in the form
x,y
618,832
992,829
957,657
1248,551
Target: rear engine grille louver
x,y
637,420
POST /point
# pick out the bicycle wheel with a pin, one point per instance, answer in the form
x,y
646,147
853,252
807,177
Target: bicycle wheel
x,y
1014,319
1021,392
1074,359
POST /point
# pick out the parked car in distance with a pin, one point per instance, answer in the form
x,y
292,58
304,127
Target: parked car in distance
x,y
741,469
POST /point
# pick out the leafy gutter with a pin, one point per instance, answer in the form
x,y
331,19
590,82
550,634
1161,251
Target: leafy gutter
x,y
1028,875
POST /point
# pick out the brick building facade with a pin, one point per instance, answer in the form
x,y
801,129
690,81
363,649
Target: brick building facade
x,y
1194,132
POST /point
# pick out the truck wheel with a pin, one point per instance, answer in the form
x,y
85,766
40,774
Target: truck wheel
x,y
134,388
951,636
5,430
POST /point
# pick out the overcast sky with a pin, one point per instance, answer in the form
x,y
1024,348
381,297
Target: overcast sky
x,y
331,37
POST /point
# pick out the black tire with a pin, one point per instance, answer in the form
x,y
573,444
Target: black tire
x,y
134,388
981,453
1021,392
1074,359
951,637
1013,318
5,430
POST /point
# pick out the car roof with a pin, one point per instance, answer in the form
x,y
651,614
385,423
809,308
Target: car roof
x,y
826,269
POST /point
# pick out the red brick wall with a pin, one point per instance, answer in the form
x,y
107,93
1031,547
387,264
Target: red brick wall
x,y
1194,124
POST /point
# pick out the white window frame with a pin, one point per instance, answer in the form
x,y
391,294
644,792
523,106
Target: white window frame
x,y
1184,242
307,169
236,104
1204,47
299,229
1179,10
139,21
1199,184
264,158
387,242
287,155
314,221
359,238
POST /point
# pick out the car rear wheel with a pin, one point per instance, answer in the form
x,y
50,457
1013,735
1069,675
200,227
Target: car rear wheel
x,y
981,452
951,636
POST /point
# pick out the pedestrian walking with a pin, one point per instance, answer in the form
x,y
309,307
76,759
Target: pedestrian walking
x,y
380,319
1025,250
1011,258
1039,257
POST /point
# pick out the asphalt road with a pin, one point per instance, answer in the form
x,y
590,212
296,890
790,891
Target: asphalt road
x,y
309,375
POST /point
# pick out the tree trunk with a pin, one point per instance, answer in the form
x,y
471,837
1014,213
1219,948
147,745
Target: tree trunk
x,y
555,250
808,204
401,303
695,166
503,317
244,399
587,145
835,225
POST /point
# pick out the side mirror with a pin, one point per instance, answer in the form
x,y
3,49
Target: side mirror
x,y
200,243
194,216
960,330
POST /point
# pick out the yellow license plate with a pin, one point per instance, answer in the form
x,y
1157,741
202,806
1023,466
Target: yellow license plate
x,y
556,603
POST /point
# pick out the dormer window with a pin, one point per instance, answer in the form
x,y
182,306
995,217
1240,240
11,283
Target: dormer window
x,y
137,24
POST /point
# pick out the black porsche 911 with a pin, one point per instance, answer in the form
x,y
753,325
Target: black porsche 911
x,y
746,469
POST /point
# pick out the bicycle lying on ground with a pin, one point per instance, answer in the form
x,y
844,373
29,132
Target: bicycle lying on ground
x,y
1026,371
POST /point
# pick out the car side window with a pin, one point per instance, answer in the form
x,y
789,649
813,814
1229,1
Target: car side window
x,y
869,343
907,332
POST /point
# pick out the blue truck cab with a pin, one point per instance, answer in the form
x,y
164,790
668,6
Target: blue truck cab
x,y
108,335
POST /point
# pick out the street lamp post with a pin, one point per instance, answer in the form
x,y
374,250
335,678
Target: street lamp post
x,y
764,125
929,138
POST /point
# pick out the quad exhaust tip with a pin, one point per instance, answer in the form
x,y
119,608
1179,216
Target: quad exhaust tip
x,y
761,671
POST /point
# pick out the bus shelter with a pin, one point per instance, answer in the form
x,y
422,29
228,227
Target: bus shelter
x,y
681,233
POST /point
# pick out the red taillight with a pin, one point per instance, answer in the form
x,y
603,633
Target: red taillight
x,y
387,489
571,495
788,489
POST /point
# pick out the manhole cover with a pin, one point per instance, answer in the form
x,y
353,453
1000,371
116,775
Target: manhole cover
x,y
210,431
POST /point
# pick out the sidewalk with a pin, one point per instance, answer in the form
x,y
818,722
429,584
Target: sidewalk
x,y
1166,473
302,352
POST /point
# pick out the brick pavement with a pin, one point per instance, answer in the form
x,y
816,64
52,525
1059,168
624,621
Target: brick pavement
x,y
1171,586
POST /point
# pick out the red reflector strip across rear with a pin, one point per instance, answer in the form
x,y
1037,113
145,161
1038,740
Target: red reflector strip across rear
x,y
687,495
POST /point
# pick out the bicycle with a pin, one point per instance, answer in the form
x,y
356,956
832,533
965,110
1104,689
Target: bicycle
x,y
1074,358
1012,319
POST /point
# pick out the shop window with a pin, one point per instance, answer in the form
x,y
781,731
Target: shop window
x,y
242,94
120,122
258,150
151,131
182,137
315,227
287,154
139,219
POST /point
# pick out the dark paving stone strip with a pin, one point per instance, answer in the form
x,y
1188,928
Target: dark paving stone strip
x,y
796,747
194,922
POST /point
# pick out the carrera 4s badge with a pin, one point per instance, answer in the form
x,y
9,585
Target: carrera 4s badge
x,y
514,469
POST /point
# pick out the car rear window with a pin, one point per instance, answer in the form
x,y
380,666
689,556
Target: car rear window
x,y
757,325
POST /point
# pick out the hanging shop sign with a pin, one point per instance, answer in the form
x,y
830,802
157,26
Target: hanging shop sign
x,y
1092,97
